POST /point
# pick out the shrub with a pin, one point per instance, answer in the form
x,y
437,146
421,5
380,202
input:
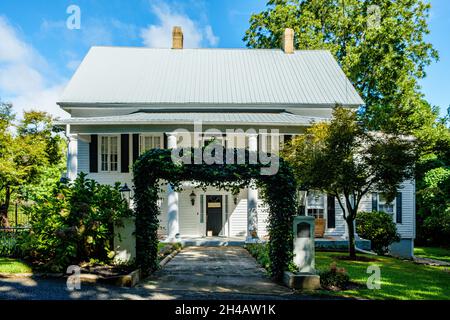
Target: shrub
x,y
74,223
335,278
379,228
260,252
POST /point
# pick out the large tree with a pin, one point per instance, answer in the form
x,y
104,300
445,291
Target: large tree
x,y
343,159
28,148
379,44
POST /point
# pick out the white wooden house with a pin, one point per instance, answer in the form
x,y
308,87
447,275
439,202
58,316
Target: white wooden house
x,y
124,101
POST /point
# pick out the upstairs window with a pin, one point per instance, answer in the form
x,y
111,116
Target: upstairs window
x,y
147,142
109,153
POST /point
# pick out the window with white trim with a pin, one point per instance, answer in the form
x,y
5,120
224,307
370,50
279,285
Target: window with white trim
x,y
315,204
383,205
109,153
147,142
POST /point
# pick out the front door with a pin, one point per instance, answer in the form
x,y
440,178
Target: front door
x,y
213,215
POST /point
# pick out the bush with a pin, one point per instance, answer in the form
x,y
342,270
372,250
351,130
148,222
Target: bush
x,y
260,252
379,228
74,223
335,278
433,201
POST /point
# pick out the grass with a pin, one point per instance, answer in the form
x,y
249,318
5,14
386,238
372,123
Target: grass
x,y
400,279
435,253
9,265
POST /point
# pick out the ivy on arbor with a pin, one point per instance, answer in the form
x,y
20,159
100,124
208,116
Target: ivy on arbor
x,y
278,191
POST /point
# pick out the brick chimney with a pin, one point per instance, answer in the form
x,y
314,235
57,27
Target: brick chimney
x,y
177,38
287,42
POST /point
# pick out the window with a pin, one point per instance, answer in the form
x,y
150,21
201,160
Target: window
x,y
315,204
109,153
383,205
147,142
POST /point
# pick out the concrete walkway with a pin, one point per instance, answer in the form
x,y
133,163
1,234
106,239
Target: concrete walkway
x,y
214,269
196,273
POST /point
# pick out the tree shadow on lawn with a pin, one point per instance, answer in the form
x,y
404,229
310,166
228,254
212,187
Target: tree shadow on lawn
x,y
399,279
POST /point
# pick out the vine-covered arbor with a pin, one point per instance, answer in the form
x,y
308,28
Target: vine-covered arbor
x,y
278,191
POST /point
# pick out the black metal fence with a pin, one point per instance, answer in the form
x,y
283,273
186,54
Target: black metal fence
x,y
17,216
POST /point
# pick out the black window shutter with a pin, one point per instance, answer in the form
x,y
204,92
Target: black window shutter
x,y
399,207
135,147
165,141
331,212
93,153
124,153
374,201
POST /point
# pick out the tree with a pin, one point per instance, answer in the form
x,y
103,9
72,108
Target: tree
x,y
343,159
383,60
28,148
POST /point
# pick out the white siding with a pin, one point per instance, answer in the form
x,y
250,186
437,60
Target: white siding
x,y
238,218
188,219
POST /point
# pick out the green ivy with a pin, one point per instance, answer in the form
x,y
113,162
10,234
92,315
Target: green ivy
x,y
278,191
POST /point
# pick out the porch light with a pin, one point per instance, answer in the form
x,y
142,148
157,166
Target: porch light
x,y
235,199
193,196
125,192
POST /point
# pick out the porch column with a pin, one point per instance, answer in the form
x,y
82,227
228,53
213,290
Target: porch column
x,y
173,227
252,197
72,157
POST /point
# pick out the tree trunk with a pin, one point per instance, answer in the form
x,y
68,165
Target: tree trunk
x,y
4,222
351,238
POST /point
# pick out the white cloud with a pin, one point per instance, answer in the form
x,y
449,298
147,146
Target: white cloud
x,y
212,39
24,75
160,35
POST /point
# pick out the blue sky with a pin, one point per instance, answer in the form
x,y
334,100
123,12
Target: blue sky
x,y
38,53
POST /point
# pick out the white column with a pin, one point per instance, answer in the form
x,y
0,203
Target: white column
x,y
72,157
173,227
252,198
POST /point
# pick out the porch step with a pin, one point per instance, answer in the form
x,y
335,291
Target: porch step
x,y
212,243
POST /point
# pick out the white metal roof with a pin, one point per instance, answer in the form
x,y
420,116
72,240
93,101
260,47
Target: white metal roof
x,y
240,118
124,75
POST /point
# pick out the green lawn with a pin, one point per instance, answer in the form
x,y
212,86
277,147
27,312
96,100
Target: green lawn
x,y
8,265
436,253
399,279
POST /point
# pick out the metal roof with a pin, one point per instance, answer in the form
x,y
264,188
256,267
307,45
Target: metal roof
x,y
241,118
148,76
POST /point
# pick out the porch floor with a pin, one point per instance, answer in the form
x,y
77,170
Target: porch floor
x,y
212,241
326,243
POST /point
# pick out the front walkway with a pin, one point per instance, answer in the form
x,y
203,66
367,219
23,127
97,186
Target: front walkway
x,y
214,270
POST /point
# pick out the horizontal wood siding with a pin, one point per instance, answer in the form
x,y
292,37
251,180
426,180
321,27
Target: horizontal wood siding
x,y
188,219
238,218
